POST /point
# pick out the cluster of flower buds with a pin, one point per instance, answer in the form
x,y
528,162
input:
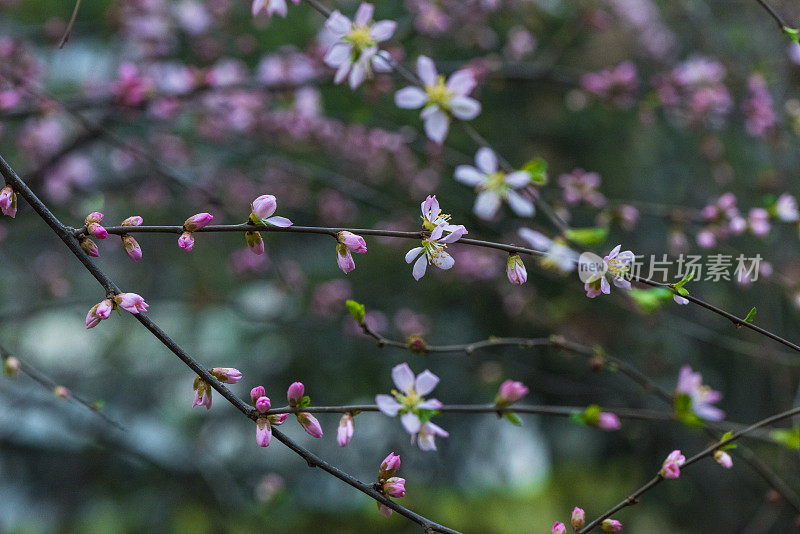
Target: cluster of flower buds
x,y
192,224
102,310
202,389
93,228
578,521
264,422
347,242
671,468
297,399
8,201
261,214
389,484
131,246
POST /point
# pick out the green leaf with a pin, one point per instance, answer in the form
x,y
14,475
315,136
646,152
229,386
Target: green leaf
x,y
587,236
537,168
591,415
356,310
511,416
793,34
649,300
305,401
683,292
788,438
686,279
426,415
728,446
684,413
750,315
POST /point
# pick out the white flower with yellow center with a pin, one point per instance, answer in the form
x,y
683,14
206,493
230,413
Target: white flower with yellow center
x,y
355,48
439,98
433,248
494,185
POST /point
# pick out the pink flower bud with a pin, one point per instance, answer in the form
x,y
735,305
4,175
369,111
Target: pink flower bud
x,y
344,259
92,319
608,421
278,419
389,466
195,222
295,393
558,528
310,424
62,392
263,431
132,248
395,487
510,392
227,375
131,302
263,207
352,241
515,270
202,394
256,393
8,201
263,404
611,525
578,518
133,221
346,430
96,230
104,308
94,217
255,242
11,366
186,241
89,247
724,459
672,464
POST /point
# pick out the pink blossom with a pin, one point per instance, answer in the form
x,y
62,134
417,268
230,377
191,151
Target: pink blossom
x,y
432,250
354,243
130,87
132,221
786,206
62,392
295,393
263,431
96,230
702,396
724,459
195,222
254,242
262,209
202,394
104,308
494,185
581,186
611,525
515,270
389,466
226,375
758,221
409,400
8,201
131,302
427,435
263,404
344,259
310,424
671,467
271,7
608,421
256,393
617,264
132,248
439,98
90,247
186,241
346,430
578,518
558,528
395,487
510,392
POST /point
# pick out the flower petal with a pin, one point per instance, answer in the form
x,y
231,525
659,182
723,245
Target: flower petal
x,y
338,24
364,14
403,377
430,404
425,382
412,254
537,240
486,204
387,405
426,70
383,30
436,125
444,261
420,267
461,82
521,205
339,53
465,108
469,175
518,179
410,98
282,222
411,422
486,160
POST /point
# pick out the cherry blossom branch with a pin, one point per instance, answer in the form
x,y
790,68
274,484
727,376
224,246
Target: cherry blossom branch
x,y
111,288
14,364
558,411
633,498
320,230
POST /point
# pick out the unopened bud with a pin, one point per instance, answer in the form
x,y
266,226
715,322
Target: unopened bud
x,y
89,247
11,366
416,344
